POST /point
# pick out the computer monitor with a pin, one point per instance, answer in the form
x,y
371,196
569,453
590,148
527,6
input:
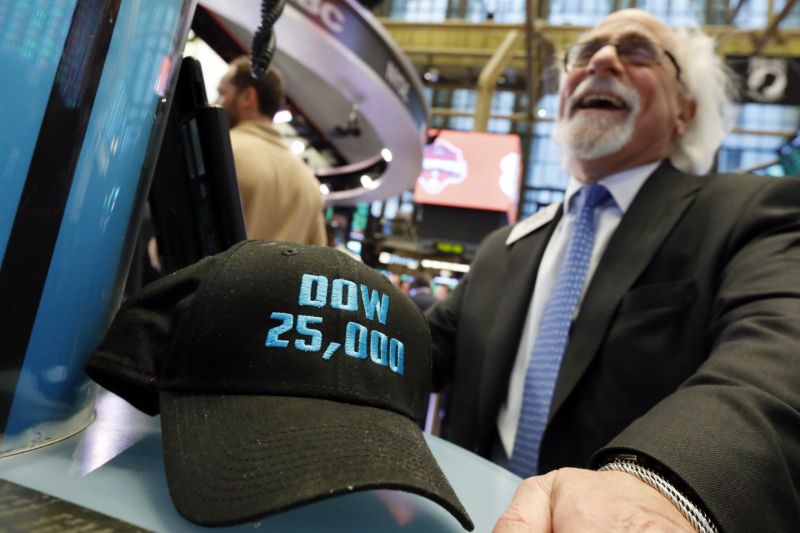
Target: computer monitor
x,y
194,198
471,170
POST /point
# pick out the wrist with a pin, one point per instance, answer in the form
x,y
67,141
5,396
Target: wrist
x,y
699,520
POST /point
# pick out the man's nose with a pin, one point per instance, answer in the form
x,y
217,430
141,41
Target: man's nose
x,y
605,61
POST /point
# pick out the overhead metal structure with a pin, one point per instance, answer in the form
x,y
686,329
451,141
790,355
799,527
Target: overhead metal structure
x,y
461,44
351,73
480,49
349,78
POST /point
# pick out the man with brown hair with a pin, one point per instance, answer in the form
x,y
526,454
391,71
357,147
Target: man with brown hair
x,y
280,196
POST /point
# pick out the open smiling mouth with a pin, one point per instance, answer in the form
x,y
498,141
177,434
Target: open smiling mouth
x,y
602,102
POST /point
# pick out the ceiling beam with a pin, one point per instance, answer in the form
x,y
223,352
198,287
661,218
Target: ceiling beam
x,y
459,44
772,27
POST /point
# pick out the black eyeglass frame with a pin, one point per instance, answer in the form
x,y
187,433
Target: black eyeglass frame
x,y
616,45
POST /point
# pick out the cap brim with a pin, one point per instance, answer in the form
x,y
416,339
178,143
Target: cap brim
x,y
238,458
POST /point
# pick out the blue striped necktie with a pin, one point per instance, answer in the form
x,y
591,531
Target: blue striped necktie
x,y
540,377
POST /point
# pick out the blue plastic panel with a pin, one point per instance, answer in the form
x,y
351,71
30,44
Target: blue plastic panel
x,y
32,34
84,281
116,467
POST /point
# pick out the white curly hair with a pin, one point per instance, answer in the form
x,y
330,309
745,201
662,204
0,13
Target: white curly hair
x,y
708,81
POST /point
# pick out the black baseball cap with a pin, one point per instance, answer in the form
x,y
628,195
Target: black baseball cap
x,y
284,374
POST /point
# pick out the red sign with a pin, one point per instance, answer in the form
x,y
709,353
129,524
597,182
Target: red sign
x,y
472,170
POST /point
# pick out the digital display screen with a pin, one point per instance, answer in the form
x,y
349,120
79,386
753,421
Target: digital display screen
x,y
473,170
789,156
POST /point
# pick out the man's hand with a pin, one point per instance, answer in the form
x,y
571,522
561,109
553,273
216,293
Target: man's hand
x,y
573,500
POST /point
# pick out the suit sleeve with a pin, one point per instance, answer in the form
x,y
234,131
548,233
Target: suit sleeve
x,y
729,437
443,321
444,316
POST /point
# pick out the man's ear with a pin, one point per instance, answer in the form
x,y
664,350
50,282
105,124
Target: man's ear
x,y
686,110
249,97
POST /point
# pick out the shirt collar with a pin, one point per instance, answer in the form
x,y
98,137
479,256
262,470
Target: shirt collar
x,y
622,186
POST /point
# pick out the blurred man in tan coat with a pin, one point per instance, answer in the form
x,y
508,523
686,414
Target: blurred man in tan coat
x,y
280,196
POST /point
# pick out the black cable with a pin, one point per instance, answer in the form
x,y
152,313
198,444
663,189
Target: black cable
x,y
264,38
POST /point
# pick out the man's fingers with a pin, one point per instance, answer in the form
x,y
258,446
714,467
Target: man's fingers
x,y
529,511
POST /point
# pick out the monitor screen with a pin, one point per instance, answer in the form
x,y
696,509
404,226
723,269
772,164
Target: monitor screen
x,y
473,170
789,156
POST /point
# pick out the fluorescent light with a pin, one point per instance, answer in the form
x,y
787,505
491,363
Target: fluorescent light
x,y
444,265
368,182
387,155
284,116
324,189
354,246
298,147
387,258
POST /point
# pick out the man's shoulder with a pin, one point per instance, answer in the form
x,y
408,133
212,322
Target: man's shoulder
x,y
747,185
249,134
737,179
493,242
245,138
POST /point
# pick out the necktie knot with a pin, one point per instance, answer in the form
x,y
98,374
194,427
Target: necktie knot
x,y
594,195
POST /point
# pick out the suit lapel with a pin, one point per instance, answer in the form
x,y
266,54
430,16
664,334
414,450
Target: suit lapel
x,y
517,282
654,212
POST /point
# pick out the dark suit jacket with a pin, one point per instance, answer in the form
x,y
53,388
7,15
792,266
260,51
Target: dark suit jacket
x,y
686,347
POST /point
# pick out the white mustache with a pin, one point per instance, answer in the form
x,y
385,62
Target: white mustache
x,y
604,85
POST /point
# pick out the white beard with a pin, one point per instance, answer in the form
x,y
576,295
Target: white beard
x,y
590,135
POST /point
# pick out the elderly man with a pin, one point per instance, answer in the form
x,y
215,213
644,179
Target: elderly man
x,y
635,351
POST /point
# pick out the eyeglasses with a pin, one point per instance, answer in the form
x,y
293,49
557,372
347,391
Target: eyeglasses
x,y
633,49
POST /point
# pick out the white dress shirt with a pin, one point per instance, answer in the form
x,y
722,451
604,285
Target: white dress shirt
x,y
623,187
